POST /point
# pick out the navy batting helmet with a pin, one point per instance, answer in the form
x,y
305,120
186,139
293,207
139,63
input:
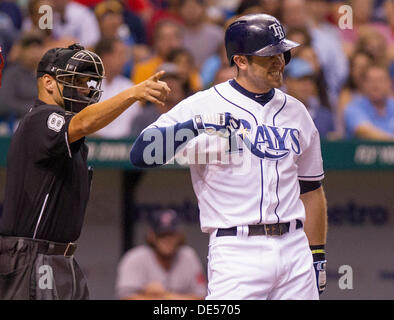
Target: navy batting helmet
x,y
257,35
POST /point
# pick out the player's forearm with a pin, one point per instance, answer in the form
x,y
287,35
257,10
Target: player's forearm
x,y
99,115
316,216
156,146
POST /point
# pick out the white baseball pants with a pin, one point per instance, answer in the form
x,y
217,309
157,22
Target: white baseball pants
x,y
261,267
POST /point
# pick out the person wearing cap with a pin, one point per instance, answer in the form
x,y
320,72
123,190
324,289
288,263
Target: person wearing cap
x,y
48,179
165,268
300,81
19,90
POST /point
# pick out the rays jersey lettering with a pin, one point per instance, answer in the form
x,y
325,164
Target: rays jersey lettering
x,y
268,142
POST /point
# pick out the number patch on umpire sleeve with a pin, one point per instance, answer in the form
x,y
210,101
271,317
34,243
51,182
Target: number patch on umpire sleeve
x,y
55,122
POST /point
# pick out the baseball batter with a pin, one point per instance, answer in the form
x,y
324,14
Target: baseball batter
x,y
256,166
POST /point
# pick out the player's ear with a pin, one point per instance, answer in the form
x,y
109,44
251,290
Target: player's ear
x,y
48,83
241,62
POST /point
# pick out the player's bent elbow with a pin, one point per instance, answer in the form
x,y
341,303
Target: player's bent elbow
x,y
77,129
136,155
135,159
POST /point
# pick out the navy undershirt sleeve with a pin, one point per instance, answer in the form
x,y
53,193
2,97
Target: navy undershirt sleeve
x,y
307,186
163,155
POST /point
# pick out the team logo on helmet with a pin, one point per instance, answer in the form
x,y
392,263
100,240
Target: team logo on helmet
x,y
278,30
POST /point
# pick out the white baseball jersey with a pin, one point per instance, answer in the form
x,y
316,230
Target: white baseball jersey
x,y
251,178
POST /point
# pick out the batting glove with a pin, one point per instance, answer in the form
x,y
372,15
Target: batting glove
x,y
222,124
319,263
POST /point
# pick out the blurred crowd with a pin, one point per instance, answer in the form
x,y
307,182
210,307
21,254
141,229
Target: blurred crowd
x,y
344,76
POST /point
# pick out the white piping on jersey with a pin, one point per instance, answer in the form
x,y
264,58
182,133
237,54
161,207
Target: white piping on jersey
x,y
276,165
68,145
261,162
39,218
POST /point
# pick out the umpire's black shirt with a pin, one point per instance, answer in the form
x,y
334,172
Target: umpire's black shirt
x,y
47,186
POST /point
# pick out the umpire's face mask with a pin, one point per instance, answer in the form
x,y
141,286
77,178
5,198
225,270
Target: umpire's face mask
x,y
80,91
81,80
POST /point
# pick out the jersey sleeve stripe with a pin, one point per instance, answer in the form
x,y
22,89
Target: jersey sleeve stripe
x,y
68,145
320,175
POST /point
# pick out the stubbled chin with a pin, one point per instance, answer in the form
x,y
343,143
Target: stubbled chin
x,y
277,83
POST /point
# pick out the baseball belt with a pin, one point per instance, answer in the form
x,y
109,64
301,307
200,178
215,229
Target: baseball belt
x,y
44,246
273,229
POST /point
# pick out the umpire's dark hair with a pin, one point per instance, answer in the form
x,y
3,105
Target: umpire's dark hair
x,y
105,45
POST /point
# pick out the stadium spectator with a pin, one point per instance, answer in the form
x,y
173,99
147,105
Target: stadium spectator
x,y
389,13
89,3
301,36
183,59
218,11
371,116
362,19
165,269
1,64
300,81
13,11
75,20
373,43
248,7
143,8
31,22
135,24
116,21
272,7
325,40
113,54
109,15
150,112
19,89
8,33
160,13
224,73
200,37
353,87
166,37
308,54
111,18
212,65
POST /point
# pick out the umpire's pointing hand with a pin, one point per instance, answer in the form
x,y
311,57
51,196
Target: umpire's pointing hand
x,y
152,90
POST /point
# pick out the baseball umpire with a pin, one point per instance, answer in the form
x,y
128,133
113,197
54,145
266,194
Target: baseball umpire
x,y
266,211
48,180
